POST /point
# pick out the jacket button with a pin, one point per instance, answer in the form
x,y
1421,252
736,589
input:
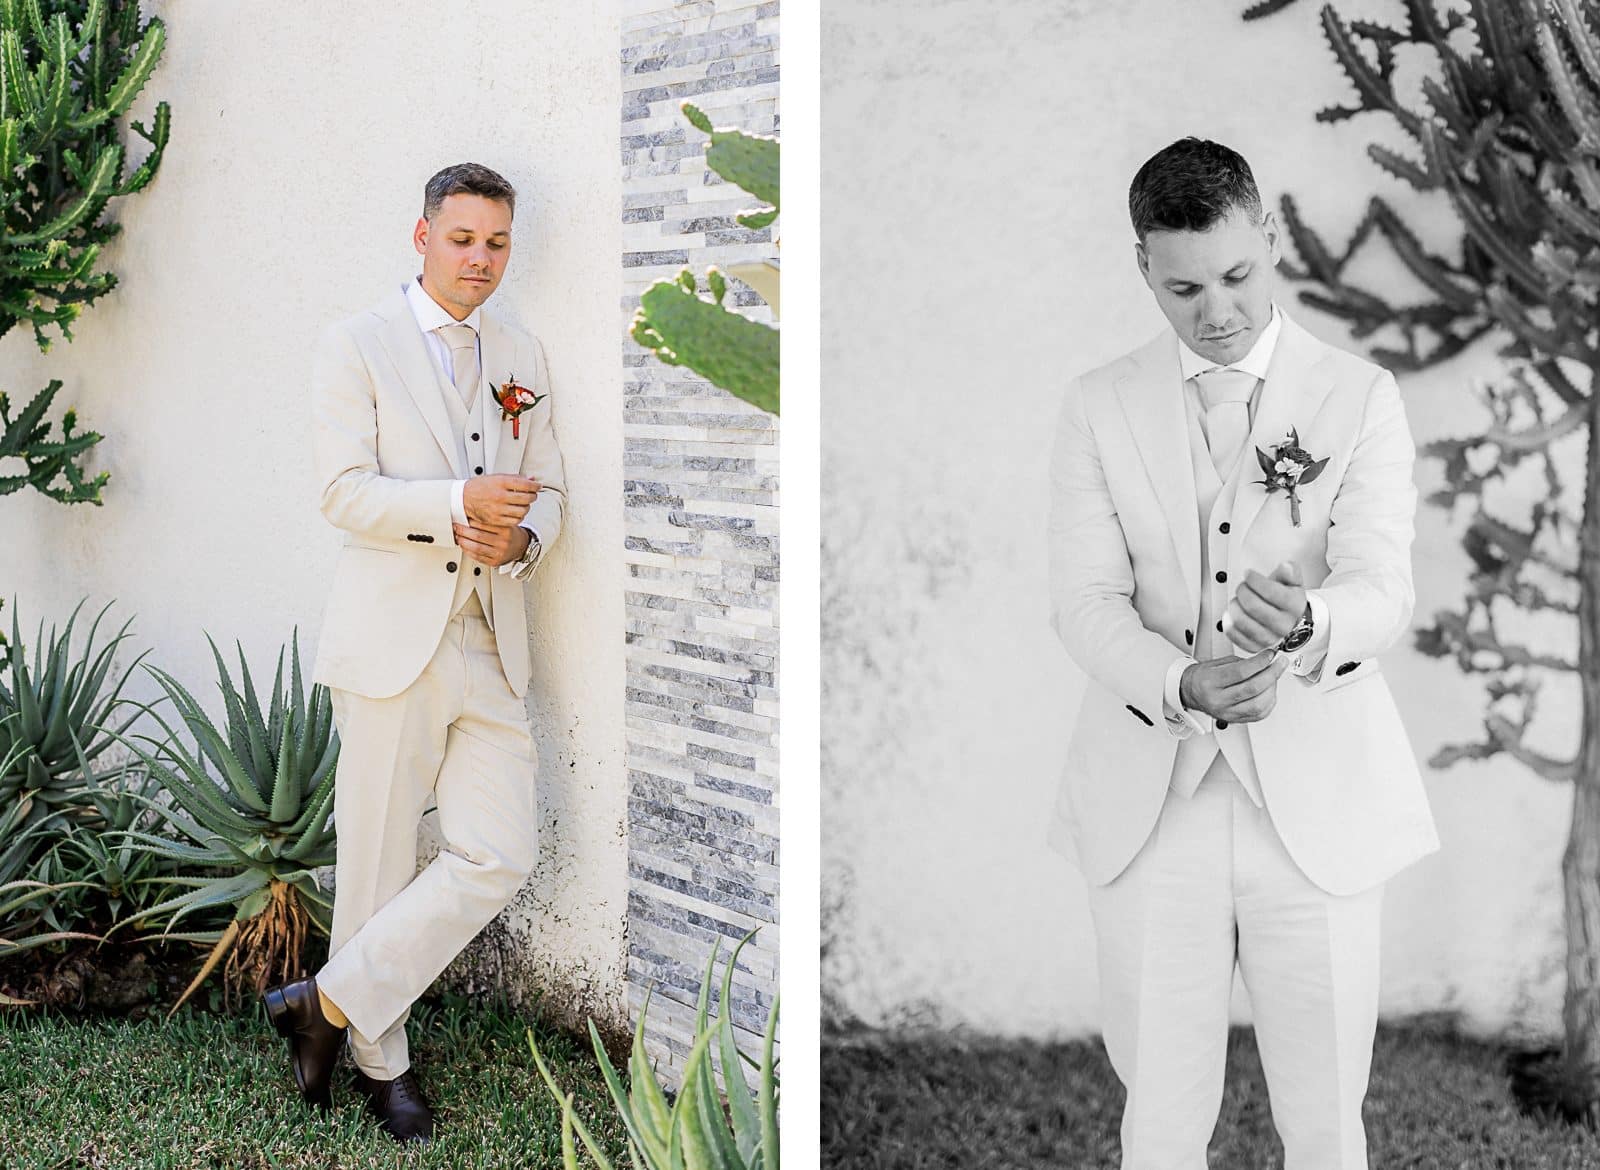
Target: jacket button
x,y
1222,724
1219,627
1347,668
477,470
1225,528
1188,636
450,568
1221,576
474,436
477,571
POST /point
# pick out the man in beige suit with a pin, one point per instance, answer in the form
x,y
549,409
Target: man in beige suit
x,y
1230,545
447,507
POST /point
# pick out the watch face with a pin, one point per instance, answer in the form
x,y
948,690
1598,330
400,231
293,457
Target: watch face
x,y
1297,638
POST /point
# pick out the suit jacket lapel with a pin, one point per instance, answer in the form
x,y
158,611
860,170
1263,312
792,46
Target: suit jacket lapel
x,y
1151,393
1298,379
402,341
496,350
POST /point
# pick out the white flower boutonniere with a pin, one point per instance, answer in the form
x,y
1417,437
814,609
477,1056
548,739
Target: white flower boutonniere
x,y
1288,467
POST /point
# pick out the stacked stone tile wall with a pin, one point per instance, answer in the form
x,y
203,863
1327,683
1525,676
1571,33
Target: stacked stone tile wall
x,y
701,526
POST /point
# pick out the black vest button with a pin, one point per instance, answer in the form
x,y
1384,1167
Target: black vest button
x,y
1221,576
450,568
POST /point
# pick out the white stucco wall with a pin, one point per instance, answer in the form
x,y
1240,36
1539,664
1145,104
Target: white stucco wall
x,y
978,254
302,135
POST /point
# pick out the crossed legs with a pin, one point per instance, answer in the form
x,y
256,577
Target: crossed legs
x,y
1213,887
459,734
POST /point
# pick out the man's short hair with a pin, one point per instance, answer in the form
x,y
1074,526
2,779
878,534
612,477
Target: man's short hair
x,y
466,179
1190,186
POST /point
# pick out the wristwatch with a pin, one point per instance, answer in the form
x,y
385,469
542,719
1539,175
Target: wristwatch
x,y
1301,634
530,555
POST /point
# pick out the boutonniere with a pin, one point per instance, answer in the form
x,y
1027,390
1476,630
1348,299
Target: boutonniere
x,y
515,399
1288,467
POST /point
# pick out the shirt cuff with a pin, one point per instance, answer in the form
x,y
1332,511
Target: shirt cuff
x,y
1172,707
458,502
1307,661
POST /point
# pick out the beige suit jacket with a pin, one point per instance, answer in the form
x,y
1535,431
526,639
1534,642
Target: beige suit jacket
x,y
386,462
1337,772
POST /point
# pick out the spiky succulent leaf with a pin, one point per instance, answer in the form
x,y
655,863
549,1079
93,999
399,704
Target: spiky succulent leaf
x,y
741,1102
53,707
244,804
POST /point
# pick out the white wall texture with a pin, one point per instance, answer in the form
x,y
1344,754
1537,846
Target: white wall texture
x,y
978,254
302,134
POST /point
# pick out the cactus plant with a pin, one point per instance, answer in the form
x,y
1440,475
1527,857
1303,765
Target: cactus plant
x,y
683,328
69,71
1510,132
27,437
722,346
749,161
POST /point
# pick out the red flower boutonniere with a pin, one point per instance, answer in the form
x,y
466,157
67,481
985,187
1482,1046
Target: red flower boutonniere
x,y
1288,466
515,399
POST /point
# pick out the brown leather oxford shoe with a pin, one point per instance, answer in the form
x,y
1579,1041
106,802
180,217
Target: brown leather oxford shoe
x,y
314,1043
400,1105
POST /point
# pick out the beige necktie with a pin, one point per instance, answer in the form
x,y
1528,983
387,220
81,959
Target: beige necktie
x,y
1226,394
463,343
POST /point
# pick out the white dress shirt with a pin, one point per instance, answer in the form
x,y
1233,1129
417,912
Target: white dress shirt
x,y
430,317
1307,661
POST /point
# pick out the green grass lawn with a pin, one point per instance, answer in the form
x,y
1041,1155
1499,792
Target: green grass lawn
x,y
216,1091
1437,1100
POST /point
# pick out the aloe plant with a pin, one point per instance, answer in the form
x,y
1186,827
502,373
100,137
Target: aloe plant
x,y
250,805
114,875
693,1132
52,727
27,903
683,328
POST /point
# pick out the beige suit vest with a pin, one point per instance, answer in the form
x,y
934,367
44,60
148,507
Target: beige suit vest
x,y
468,426
1227,751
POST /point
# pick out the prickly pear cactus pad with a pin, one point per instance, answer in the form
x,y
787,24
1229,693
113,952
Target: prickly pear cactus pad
x,y
685,329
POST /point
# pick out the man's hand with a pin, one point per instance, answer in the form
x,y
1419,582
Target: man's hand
x,y
498,501
1239,690
493,546
1265,609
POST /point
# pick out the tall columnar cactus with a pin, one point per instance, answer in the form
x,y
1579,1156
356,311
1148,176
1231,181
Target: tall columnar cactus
x,y
69,71
1509,130
682,327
